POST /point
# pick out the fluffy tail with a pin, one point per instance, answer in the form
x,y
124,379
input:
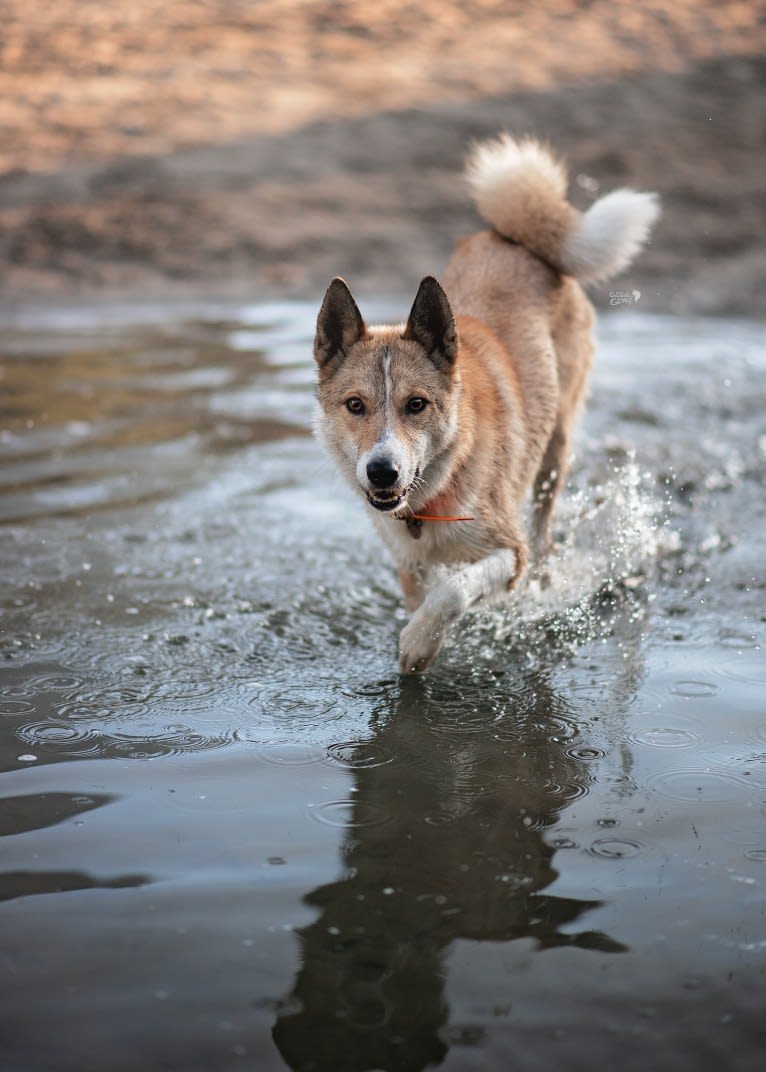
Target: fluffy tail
x,y
520,189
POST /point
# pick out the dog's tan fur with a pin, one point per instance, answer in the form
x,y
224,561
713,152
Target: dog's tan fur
x,y
463,410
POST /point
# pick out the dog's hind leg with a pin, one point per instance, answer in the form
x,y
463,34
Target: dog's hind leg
x,y
548,483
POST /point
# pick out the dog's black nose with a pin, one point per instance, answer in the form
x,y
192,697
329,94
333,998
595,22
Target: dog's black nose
x,y
382,473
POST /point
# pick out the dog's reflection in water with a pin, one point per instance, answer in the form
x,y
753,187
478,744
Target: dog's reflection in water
x,y
462,849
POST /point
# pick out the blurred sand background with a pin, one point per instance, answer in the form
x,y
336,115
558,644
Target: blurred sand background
x,y
176,148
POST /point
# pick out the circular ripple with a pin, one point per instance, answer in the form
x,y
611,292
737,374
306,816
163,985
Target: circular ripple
x,y
563,729
694,689
665,737
12,691
53,733
178,740
759,855
81,711
585,752
15,707
126,749
106,706
616,848
748,668
372,688
350,814
729,638
55,682
173,741
359,755
297,703
68,738
445,815
563,843
290,753
706,786
566,790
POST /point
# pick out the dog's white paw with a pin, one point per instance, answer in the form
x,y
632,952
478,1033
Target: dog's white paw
x,y
419,643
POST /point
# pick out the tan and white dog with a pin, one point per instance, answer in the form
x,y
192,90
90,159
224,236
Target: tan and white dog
x,y
444,424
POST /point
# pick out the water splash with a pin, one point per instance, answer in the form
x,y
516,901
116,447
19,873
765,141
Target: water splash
x,y
611,533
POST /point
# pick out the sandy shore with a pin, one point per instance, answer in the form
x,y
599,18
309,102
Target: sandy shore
x,y
244,149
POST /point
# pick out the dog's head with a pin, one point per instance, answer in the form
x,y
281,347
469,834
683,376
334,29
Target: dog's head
x,y
387,395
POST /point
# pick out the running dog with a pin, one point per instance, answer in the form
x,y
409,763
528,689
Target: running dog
x,y
444,424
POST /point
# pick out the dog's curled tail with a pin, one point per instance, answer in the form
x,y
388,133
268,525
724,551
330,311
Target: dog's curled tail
x,y
520,189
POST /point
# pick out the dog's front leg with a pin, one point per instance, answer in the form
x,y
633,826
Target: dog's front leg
x,y
413,592
480,582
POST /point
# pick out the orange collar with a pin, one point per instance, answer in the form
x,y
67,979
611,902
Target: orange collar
x,y
415,521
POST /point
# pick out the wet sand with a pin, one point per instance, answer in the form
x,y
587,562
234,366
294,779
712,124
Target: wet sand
x,y
257,150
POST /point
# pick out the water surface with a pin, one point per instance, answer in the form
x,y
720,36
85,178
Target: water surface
x,y
234,838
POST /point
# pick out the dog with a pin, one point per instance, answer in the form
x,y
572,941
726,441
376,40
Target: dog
x,y
445,424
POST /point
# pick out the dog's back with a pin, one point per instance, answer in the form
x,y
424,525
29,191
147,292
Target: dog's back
x,y
523,280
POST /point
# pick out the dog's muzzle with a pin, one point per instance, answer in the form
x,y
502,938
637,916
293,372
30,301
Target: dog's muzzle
x,y
383,475
384,494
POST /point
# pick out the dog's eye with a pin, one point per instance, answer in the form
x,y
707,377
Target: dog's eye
x,y
416,404
354,405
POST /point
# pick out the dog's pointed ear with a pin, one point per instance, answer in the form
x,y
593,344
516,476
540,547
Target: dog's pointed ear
x,y
339,324
432,324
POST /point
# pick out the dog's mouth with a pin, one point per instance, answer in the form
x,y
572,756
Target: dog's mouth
x,y
386,502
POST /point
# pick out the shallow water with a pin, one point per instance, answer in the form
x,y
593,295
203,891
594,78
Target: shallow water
x,y
234,838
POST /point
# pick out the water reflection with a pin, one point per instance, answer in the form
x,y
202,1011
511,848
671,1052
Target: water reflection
x,y
15,884
132,414
463,853
36,811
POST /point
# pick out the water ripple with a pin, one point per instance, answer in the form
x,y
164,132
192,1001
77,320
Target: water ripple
x,y
291,753
359,754
665,737
62,734
616,848
694,689
15,707
750,669
349,814
447,813
588,753
708,785
55,683
566,790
